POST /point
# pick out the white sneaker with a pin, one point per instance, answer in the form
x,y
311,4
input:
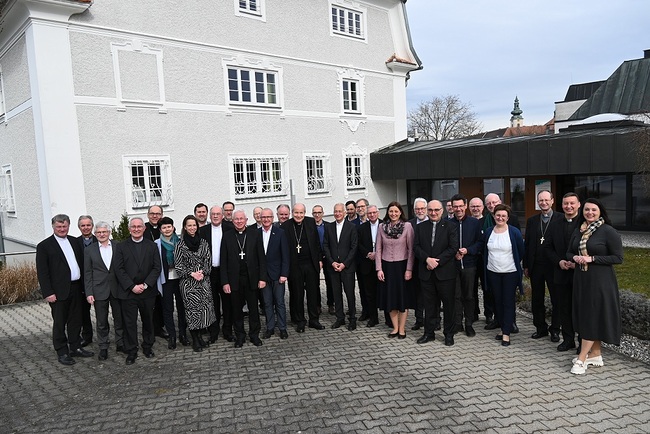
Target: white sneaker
x,y
594,361
579,367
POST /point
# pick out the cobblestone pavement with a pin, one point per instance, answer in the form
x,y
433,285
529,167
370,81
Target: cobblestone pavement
x,y
329,381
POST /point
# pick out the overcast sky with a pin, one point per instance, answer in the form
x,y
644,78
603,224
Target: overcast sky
x,y
488,52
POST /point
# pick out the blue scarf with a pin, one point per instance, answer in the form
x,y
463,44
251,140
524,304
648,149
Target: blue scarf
x,y
169,248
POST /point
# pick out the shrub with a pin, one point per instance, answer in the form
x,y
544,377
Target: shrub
x,y
19,283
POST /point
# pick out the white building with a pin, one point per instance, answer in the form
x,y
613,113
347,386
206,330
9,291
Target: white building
x,y
116,105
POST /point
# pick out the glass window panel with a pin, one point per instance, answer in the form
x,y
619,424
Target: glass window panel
x,y
609,189
640,203
517,197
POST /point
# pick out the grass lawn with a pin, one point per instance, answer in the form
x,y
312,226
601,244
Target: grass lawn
x,y
634,272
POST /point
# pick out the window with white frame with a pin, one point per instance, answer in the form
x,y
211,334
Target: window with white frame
x,y
348,22
318,178
250,8
350,89
259,176
356,174
253,87
7,197
148,181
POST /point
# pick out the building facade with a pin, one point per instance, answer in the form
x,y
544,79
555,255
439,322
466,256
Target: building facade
x,y
113,106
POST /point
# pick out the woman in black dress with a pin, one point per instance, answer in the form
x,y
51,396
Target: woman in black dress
x,y
595,247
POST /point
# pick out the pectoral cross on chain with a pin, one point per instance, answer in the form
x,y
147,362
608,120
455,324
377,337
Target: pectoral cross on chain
x,y
241,255
298,247
541,240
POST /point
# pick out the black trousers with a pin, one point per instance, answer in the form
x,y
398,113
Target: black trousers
x,y
222,303
419,301
86,322
328,289
543,275
363,294
171,291
246,293
565,295
158,318
66,316
343,281
303,279
103,326
435,291
370,289
464,292
130,309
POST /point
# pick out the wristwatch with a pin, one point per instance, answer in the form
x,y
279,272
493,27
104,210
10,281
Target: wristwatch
x,y
145,286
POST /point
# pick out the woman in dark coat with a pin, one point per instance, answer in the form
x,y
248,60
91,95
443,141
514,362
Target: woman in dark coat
x,y
595,247
193,264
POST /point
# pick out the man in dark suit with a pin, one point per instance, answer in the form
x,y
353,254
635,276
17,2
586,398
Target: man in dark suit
x,y
420,211
213,234
152,232
276,249
304,268
436,244
243,274
317,212
101,288
58,260
366,262
85,225
340,246
539,269
137,267
555,246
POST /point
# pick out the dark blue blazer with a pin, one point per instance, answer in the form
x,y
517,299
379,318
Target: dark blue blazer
x,y
277,254
517,242
471,238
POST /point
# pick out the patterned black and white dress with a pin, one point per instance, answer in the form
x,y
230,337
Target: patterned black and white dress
x,y
197,295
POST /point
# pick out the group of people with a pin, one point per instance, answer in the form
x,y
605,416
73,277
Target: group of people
x,y
220,268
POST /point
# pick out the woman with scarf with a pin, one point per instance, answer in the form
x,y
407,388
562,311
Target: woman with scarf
x,y
594,248
168,284
193,264
394,262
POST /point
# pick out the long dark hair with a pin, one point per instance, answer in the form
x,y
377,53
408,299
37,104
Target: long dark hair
x,y
190,217
399,207
601,207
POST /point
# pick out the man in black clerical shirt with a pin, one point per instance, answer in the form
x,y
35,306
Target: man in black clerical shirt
x,y
304,268
85,225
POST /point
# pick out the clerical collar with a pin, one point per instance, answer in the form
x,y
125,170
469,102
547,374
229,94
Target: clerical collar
x,y
137,241
570,219
240,232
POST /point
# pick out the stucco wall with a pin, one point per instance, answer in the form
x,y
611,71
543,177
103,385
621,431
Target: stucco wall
x,y
15,75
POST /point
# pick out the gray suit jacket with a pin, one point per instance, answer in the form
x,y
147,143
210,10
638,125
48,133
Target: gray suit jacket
x,y
99,281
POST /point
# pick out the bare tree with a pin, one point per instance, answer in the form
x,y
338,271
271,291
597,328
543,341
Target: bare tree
x,y
443,118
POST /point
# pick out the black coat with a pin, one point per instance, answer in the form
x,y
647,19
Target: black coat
x,y
52,268
133,269
254,257
444,249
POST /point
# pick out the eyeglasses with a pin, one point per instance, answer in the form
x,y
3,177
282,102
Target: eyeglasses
x,y
434,209
102,232
317,212
423,208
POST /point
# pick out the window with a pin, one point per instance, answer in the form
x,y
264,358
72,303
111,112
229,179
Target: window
x,y
148,181
254,87
3,110
350,96
318,179
250,9
348,22
256,176
356,173
7,197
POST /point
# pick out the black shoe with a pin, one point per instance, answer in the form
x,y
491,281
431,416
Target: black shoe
x,y
449,340
283,334
256,341
469,331
80,352
499,337
120,349
491,325
184,341
505,343
300,328
401,336
331,310
566,346
363,317
171,343
65,359
538,334
352,326
555,336
85,342
229,338
489,319
201,342
372,323
239,343
515,329
338,323
316,325
393,335
103,355
426,338
417,326
458,328
130,359
162,333
149,354
268,334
